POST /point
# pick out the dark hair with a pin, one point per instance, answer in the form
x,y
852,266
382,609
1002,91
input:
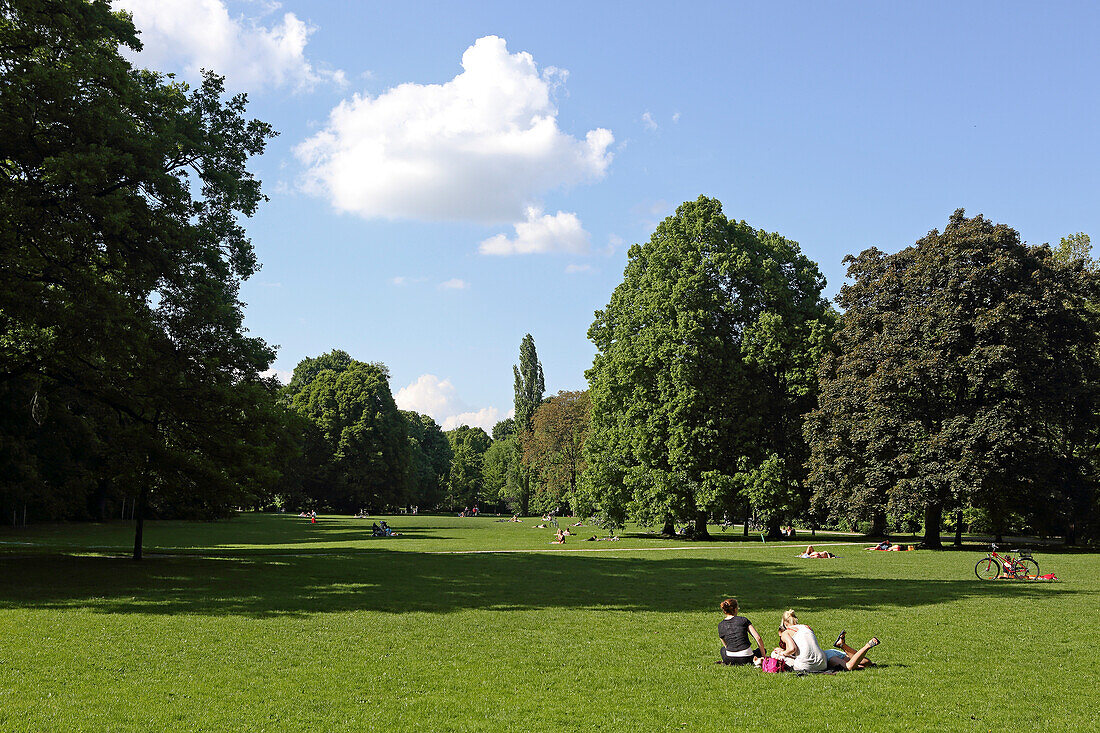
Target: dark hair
x,y
729,606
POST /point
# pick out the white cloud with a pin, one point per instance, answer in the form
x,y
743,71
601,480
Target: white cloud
x,y
648,121
281,374
481,147
485,418
454,284
433,396
540,233
675,116
201,34
571,269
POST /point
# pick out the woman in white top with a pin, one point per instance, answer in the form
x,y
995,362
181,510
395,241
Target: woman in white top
x,y
800,649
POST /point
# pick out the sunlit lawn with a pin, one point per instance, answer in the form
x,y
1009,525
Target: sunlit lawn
x,y
267,622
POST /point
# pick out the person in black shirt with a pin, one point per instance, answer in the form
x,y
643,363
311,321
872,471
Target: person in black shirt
x,y
734,632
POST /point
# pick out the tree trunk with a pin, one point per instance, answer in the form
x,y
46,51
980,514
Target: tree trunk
x,y
701,531
139,517
933,516
745,526
670,527
773,529
1071,533
878,524
958,529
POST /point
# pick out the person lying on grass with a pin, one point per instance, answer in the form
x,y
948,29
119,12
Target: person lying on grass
x,y
845,657
886,546
811,553
800,649
734,632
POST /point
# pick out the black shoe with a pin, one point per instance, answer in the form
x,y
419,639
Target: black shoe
x,y
839,643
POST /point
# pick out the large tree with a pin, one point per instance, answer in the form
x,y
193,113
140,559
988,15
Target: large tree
x,y
121,256
502,477
529,384
965,373
554,448
430,453
705,362
465,486
368,452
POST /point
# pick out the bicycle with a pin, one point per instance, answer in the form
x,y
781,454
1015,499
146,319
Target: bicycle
x,y
994,566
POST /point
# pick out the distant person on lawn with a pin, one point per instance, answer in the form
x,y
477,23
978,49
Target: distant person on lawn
x,y
734,631
815,555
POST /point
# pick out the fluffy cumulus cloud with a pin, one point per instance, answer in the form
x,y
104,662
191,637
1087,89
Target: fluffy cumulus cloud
x,y
481,147
454,284
202,34
437,397
540,233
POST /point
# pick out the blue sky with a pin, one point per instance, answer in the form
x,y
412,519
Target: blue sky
x,y
391,231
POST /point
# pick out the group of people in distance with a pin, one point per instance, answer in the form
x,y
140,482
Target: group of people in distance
x,y
798,646
382,530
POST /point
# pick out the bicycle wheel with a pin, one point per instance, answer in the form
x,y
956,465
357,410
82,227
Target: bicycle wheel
x,y
1027,568
987,569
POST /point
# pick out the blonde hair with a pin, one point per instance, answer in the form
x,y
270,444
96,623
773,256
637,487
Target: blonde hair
x,y
790,618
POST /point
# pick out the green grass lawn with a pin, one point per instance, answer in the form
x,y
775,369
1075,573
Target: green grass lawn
x,y
270,623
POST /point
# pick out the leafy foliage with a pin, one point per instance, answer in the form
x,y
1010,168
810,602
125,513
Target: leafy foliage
x,y
366,456
554,449
121,257
706,359
965,375
465,486
430,455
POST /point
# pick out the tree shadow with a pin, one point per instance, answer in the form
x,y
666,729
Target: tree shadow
x,y
401,582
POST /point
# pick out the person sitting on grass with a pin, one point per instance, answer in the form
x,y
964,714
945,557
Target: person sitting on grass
x,y
734,632
800,649
559,538
386,530
845,657
815,555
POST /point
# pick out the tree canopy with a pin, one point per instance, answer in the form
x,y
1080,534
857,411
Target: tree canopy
x,y
121,257
554,448
964,375
465,483
706,359
367,456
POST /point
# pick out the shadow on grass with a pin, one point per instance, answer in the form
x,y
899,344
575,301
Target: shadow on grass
x,y
400,582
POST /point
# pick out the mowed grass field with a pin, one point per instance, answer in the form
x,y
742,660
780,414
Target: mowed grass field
x,y
270,623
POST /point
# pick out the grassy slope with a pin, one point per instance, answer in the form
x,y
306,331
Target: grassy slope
x,y
270,623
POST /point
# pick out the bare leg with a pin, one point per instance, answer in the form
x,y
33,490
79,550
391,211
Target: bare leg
x,y
855,659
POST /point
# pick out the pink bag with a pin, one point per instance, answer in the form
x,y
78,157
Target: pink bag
x,y
773,665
